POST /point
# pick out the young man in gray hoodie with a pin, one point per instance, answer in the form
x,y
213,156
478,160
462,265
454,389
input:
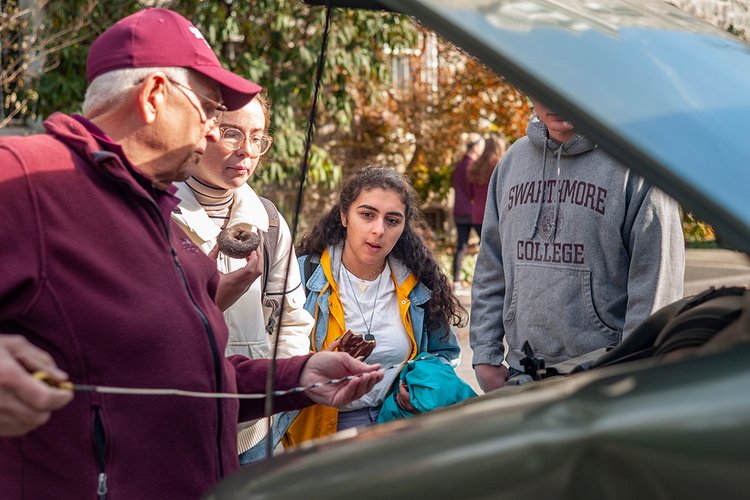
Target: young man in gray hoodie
x,y
576,251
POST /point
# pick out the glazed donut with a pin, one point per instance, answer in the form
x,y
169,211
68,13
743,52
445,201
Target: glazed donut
x,y
357,345
238,240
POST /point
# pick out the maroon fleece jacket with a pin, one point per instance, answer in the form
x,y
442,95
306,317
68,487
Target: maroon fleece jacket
x,y
93,271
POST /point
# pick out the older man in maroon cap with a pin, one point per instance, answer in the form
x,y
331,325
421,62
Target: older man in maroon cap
x,y
95,279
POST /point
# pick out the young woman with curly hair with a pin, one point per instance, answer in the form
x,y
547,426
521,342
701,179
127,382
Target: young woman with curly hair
x,y
368,270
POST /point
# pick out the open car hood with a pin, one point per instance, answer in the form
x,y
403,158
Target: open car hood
x,y
668,96
664,93
637,430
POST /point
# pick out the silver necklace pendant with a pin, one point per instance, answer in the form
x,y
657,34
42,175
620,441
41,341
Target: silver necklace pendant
x,y
363,286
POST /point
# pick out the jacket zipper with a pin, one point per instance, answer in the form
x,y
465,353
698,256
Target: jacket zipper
x,y
217,357
100,444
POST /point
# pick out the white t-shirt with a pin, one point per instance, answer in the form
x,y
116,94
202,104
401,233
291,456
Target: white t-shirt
x,y
374,304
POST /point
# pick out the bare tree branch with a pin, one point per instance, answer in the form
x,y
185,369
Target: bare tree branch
x,y
13,113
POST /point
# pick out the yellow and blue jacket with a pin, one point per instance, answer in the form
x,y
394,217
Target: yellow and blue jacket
x,y
324,303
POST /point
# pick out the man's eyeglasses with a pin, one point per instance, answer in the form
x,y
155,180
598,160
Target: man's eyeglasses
x,y
233,139
209,109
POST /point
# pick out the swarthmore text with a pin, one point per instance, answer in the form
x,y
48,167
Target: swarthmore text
x,y
571,191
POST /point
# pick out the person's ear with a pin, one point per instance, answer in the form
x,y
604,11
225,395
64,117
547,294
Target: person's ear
x,y
343,217
152,96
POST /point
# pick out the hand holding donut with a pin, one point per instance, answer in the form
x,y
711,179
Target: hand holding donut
x,y
234,284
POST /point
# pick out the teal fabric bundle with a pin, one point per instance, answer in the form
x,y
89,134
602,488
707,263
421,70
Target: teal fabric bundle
x,y
432,384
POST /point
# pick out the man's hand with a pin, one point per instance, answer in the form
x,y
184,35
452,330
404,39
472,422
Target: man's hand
x,y
233,285
25,402
491,377
325,365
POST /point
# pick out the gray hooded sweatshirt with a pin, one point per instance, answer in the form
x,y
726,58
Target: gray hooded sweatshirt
x,y
576,251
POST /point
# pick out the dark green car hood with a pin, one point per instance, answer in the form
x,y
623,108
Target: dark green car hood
x,y
640,431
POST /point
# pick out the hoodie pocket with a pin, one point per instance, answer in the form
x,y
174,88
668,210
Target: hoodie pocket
x,y
553,308
608,333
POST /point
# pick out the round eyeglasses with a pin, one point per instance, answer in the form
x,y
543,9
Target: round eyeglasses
x,y
234,139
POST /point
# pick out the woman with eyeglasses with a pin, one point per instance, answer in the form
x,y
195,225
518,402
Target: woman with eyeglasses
x,y
217,196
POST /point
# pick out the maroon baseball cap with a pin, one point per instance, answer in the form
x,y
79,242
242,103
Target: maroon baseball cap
x,y
160,38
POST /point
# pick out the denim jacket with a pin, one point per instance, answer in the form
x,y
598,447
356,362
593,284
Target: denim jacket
x,y
323,303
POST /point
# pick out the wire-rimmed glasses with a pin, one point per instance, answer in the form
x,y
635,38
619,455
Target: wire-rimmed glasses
x,y
233,139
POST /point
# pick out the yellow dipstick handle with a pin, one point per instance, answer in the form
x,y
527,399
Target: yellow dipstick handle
x,y
47,379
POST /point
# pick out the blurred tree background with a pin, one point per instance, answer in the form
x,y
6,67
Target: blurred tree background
x,y
42,54
393,93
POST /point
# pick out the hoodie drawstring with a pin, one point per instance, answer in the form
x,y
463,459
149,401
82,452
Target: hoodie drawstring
x,y
556,196
541,201
553,233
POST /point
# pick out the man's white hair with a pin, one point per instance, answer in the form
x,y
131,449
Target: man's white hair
x,y
110,88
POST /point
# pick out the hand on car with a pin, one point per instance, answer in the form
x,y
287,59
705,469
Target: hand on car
x,y
25,402
325,365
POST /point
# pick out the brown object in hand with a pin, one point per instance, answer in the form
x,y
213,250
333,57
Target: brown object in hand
x,y
357,345
238,240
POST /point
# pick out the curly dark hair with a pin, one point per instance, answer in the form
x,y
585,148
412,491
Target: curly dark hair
x,y
443,308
